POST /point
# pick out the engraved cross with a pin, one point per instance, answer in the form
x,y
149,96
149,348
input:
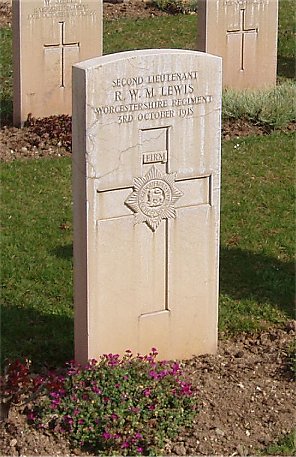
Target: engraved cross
x,y
156,196
242,31
62,46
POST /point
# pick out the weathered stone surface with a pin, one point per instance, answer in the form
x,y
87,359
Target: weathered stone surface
x,y
146,183
49,36
244,33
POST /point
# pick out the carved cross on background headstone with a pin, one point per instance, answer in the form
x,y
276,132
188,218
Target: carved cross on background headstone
x,y
242,31
62,46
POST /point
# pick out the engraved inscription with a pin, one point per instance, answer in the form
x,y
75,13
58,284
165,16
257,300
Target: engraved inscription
x,y
154,97
243,3
154,157
61,9
154,197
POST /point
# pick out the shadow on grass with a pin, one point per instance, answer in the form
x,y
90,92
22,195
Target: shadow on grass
x,y
286,67
246,275
263,279
63,252
46,339
6,109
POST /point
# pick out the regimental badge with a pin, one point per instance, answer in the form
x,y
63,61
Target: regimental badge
x,y
154,197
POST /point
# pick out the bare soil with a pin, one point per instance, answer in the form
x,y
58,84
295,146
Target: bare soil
x,y
51,137
246,402
112,9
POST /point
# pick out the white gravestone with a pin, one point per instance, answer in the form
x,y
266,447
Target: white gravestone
x,y
146,184
49,36
244,34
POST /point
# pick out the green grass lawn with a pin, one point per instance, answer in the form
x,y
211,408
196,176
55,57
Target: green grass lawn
x,y
257,246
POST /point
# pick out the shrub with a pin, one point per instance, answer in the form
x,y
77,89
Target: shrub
x,y
125,406
275,107
176,6
14,382
291,357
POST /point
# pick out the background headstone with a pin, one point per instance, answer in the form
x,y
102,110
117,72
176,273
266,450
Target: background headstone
x,y
49,36
146,184
244,33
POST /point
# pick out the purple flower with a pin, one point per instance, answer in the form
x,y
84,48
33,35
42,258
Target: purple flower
x,y
31,416
153,374
185,388
55,403
96,390
138,436
68,419
140,450
80,421
54,395
175,368
163,374
125,445
151,407
135,409
106,435
147,392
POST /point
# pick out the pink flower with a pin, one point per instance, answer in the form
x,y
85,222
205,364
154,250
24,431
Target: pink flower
x,y
125,445
68,419
153,374
135,410
96,390
31,416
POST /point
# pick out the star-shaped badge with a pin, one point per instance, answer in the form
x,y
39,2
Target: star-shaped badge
x,y
154,197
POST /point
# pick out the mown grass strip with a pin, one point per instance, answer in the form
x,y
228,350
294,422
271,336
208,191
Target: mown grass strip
x,y
257,247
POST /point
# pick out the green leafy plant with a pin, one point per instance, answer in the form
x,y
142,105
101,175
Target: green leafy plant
x,y
291,357
274,107
14,382
176,6
125,406
285,446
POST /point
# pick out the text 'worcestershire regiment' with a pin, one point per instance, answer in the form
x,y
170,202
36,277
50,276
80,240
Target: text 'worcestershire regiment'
x,y
153,97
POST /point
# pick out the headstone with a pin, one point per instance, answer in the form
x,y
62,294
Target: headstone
x,y
146,184
49,36
244,33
